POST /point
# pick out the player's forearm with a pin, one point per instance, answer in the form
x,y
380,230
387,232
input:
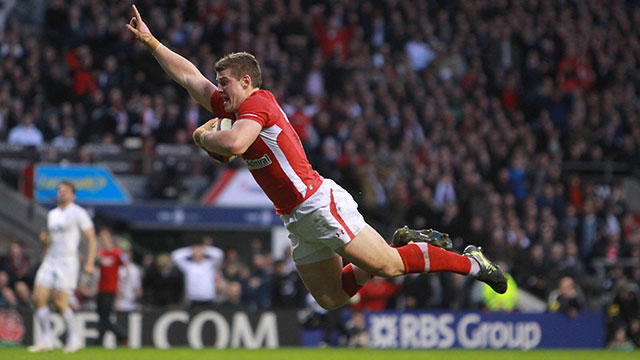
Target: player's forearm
x,y
181,254
213,252
222,142
175,65
91,247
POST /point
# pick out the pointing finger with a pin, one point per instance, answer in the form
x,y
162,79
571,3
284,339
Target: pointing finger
x,y
135,9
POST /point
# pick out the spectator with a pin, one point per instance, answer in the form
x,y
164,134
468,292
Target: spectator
x,y
375,295
26,133
287,288
163,284
111,259
129,283
17,266
200,265
6,294
23,296
567,298
624,308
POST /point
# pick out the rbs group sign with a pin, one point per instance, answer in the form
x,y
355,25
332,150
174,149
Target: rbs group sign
x,y
270,329
435,330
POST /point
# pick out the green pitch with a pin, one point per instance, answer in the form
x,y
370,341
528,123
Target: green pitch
x,y
316,354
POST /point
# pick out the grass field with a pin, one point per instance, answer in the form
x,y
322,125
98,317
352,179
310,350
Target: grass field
x,y
316,354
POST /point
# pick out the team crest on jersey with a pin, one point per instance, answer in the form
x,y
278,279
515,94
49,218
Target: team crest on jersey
x,y
259,163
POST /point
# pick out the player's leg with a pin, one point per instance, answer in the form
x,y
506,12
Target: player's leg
x,y
41,295
332,285
44,281
61,299
68,276
370,251
103,316
323,279
109,299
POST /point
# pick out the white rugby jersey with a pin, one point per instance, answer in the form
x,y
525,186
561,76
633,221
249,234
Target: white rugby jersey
x,y
65,227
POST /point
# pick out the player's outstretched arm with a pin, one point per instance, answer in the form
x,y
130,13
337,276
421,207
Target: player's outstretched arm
x,y
177,67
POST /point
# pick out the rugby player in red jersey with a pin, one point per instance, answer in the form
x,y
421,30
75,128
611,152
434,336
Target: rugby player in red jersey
x,y
323,221
110,258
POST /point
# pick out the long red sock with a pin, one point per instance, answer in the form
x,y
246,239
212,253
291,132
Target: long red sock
x,y
353,279
423,257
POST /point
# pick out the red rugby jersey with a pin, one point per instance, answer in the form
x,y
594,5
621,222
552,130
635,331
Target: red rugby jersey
x,y
276,158
110,260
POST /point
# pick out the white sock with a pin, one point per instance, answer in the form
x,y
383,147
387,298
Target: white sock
x,y
475,267
43,314
72,326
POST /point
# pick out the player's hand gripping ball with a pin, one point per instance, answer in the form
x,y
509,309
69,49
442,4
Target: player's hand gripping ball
x,y
216,124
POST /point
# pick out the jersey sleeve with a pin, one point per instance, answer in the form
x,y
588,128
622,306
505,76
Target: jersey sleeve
x,y
84,220
254,108
217,106
180,256
216,254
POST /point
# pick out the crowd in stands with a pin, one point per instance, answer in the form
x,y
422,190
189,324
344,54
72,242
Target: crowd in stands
x,y
493,121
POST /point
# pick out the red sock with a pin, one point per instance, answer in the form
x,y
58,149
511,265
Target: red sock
x,y
423,257
353,279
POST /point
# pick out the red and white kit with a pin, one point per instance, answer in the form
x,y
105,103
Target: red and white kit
x,y
280,166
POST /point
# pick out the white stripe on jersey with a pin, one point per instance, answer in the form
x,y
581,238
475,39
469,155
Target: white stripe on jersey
x,y
270,137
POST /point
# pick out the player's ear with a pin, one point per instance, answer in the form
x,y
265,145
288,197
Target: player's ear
x,y
246,81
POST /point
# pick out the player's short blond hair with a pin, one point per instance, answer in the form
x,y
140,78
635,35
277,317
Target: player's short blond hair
x,y
241,64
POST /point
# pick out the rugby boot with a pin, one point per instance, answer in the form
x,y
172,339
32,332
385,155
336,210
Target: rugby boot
x,y
404,236
39,348
490,273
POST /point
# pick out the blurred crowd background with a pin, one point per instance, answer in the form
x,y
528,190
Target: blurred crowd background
x,y
510,124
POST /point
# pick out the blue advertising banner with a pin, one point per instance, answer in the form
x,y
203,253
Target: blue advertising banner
x,y
93,184
471,330
172,217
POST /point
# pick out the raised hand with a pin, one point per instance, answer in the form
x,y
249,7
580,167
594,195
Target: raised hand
x,y
140,30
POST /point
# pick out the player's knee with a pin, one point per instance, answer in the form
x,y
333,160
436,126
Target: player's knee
x,y
329,303
332,301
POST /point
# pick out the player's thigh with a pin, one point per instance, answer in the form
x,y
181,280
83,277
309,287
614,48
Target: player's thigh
x,y
323,279
67,276
369,251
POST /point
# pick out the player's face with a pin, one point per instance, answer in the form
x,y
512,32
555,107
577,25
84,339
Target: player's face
x,y
231,90
105,239
65,195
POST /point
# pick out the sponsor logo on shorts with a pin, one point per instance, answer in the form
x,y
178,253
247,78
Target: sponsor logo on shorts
x,y
259,163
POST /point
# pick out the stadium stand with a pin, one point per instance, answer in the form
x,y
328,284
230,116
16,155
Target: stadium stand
x,y
509,124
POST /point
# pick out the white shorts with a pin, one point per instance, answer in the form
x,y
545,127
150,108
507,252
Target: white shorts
x,y
327,220
59,274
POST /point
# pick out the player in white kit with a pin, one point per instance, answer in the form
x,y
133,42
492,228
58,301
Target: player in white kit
x,y
58,273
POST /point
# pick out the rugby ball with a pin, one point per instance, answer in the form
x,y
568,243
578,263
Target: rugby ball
x,y
221,124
